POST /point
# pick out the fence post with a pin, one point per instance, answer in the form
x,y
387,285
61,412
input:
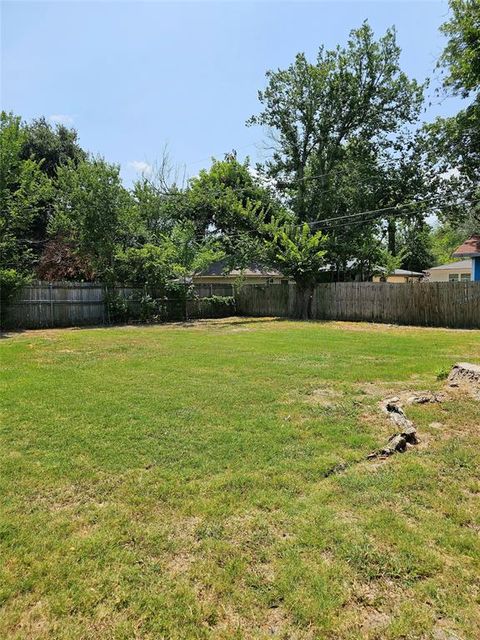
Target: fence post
x,y
52,319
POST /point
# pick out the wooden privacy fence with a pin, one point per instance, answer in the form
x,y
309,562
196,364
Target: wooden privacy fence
x,y
66,304
436,304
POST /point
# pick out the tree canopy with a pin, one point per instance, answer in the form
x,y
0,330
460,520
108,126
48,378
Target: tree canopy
x,y
350,181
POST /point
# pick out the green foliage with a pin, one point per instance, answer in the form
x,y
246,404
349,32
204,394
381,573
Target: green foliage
x,y
455,142
157,211
461,57
229,198
417,248
442,373
91,208
389,261
213,307
147,265
445,239
116,306
150,308
299,252
10,282
23,190
187,252
232,204
51,145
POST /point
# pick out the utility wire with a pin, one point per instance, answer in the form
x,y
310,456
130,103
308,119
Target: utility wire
x,y
338,222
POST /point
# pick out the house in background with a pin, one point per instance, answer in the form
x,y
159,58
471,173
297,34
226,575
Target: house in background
x,y
400,276
471,249
460,271
217,281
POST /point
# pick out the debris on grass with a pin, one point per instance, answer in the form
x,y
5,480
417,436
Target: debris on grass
x,y
463,375
466,376
426,398
407,435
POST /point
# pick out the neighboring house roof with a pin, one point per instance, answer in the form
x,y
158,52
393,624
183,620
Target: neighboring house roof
x,y
406,272
461,265
254,269
399,272
470,248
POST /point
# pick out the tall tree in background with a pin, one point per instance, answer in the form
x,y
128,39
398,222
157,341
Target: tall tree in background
x,y
232,204
51,146
329,120
455,142
92,210
23,190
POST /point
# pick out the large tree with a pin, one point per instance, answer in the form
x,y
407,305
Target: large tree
x,y
51,146
93,210
322,115
23,190
455,141
340,127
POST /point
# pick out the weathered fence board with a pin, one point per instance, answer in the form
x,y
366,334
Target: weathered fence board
x,y
56,305
436,304
441,304
66,304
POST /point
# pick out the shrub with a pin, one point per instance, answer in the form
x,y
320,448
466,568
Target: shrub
x,y
214,307
11,281
442,374
117,307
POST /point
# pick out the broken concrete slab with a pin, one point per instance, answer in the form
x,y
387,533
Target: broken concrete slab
x,y
398,441
465,374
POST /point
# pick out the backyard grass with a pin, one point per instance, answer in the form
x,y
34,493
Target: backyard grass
x,y
172,482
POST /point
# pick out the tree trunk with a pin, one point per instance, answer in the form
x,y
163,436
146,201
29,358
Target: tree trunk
x,y
185,301
303,301
392,237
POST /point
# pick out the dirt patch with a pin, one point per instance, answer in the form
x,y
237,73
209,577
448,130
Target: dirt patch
x,y
180,564
323,397
465,376
443,631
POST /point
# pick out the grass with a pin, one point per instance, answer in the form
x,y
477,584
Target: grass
x,y
172,482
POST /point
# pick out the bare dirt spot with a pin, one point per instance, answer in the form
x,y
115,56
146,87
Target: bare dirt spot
x,y
324,397
180,564
443,631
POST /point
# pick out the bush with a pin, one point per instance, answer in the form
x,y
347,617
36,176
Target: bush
x,y
10,282
213,307
117,307
442,374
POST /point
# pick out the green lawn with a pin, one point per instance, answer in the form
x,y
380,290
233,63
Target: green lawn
x,y
171,482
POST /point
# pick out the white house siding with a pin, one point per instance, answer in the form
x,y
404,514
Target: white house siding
x,y
455,271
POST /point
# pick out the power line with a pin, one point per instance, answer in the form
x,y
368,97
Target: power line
x,y
326,223
373,215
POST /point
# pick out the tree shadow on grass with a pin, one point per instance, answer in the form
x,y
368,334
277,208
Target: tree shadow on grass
x,y
233,321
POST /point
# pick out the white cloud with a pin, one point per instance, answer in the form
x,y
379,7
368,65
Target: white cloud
x,y
61,118
141,167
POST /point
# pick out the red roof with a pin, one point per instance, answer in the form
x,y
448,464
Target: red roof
x,y
469,249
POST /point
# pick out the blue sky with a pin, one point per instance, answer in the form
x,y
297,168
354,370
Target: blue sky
x,y
134,76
